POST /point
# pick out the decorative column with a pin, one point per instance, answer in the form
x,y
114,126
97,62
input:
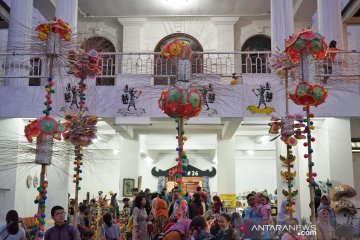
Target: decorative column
x,y
282,23
67,10
225,42
132,33
329,21
225,32
131,39
20,24
226,171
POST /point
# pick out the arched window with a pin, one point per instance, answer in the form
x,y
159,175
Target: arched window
x,y
102,44
166,70
256,63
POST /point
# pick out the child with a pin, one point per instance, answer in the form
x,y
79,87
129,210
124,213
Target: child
x,y
265,213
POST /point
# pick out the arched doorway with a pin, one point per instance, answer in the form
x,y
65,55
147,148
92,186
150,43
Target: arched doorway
x,y
256,63
102,44
165,70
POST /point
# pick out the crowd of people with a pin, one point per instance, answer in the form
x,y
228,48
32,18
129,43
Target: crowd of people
x,y
153,216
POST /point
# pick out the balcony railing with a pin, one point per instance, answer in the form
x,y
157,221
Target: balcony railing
x,y
19,65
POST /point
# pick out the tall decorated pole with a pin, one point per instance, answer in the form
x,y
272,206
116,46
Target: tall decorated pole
x,y
290,132
81,128
303,48
46,128
180,104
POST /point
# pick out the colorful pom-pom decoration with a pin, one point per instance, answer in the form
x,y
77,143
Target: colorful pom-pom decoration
x,y
306,40
180,103
309,95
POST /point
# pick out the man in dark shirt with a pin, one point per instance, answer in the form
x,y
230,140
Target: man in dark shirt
x,y
61,230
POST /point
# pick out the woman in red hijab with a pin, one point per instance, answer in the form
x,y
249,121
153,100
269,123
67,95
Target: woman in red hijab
x,y
161,216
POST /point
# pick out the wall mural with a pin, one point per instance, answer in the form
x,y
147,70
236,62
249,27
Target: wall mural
x,y
129,98
264,95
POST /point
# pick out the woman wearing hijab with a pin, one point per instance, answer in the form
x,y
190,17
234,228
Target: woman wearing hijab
x,y
161,217
324,231
325,204
282,214
180,231
11,229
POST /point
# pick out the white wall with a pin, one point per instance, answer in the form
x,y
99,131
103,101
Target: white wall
x,y
353,34
255,164
255,175
200,28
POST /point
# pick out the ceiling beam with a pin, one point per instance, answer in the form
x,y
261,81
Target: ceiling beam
x,y
230,128
46,8
350,10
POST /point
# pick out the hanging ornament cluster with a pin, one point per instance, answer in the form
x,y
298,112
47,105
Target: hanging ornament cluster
x,y
78,163
84,64
309,95
310,139
49,90
290,127
306,40
80,130
57,26
44,125
180,103
176,48
38,230
182,160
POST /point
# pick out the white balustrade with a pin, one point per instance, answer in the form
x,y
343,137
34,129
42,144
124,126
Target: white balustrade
x,y
223,64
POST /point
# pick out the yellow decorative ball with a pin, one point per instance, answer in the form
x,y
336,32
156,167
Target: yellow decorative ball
x,y
183,201
312,127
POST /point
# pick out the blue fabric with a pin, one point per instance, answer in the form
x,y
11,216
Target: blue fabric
x,y
255,216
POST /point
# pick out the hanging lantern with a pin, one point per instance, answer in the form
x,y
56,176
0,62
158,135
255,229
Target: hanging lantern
x,y
309,95
305,41
180,103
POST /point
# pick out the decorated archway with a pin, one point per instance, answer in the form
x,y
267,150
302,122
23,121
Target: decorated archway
x,y
163,66
102,44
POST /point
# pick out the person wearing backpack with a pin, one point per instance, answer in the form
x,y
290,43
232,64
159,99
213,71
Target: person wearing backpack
x,y
61,229
108,230
11,230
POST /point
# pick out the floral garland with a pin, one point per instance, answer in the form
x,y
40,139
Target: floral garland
x,y
57,26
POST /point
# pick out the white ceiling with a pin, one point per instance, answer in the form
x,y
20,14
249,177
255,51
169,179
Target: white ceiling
x,y
136,8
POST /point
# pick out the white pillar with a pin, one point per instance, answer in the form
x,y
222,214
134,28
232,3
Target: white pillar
x,y
340,154
282,23
226,169
20,24
132,33
330,23
67,10
129,164
225,32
